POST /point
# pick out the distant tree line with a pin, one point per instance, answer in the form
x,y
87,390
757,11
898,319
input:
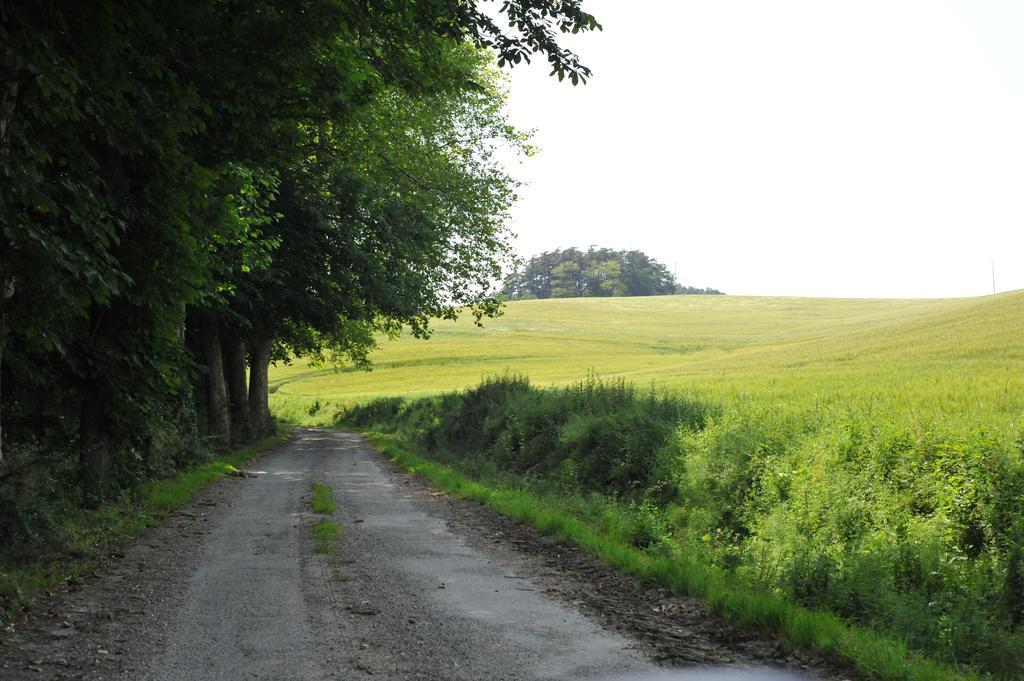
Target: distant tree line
x,y
597,272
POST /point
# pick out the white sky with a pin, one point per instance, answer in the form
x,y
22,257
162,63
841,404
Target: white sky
x,y
868,148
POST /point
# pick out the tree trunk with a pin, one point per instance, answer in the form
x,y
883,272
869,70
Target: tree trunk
x,y
95,459
233,348
3,339
259,393
8,105
6,291
218,420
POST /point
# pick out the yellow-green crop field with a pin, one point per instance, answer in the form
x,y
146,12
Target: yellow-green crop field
x,y
957,359
859,457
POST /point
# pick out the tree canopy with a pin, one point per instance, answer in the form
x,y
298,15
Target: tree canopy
x,y
191,189
572,273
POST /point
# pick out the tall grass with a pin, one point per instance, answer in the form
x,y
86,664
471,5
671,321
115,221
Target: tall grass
x,y
911,528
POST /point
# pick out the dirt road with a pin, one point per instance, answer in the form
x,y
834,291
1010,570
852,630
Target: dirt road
x,y
420,586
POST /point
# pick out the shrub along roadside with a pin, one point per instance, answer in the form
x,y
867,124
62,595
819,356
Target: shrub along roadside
x,y
912,528
872,655
90,535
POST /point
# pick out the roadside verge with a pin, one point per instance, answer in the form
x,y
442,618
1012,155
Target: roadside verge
x,y
97,535
869,654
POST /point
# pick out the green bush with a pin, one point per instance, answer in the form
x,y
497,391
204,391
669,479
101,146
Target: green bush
x,y
530,443
914,528
36,491
375,413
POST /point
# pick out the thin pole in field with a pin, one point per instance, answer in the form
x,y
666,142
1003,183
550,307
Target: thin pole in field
x,y
993,277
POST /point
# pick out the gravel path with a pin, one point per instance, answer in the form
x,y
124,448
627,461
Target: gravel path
x,y
420,586
423,604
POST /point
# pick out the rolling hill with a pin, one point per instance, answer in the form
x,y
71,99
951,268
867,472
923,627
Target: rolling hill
x,y
959,358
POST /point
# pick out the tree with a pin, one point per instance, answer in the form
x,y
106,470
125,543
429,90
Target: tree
x,y
567,280
97,209
643,276
154,156
605,279
399,65
390,221
597,272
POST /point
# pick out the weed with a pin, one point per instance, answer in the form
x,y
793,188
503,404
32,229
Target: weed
x,y
324,533
323,499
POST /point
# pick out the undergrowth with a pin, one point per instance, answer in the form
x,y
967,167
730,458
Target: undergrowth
x,y
78,539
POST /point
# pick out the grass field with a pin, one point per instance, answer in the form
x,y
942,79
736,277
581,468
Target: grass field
x,y
861,458
959,358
